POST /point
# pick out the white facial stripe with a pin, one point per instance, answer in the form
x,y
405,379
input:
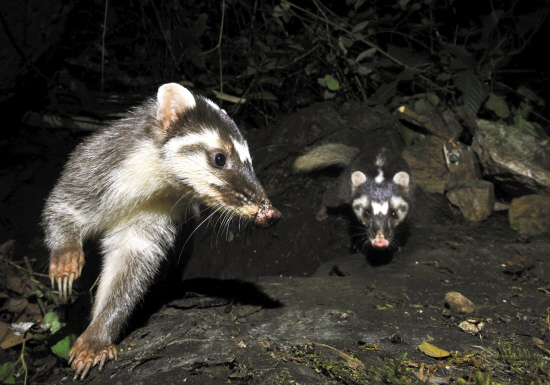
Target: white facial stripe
x,y
380,208
398,201
242,150
206,136
380,177
362,201
400,206
359,205
380,160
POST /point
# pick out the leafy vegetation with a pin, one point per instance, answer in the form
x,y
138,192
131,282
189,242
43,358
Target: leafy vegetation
x,y
279,55
23,289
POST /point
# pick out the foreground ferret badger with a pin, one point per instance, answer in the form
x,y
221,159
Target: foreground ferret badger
x,y
131,184
376,185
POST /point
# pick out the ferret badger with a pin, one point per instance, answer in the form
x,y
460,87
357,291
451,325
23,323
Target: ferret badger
x,y
375,184
130,185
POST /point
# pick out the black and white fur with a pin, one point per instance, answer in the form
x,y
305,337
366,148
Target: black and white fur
x,y
377,185
130,185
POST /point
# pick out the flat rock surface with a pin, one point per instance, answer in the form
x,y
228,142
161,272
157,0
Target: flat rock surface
x,y
375,311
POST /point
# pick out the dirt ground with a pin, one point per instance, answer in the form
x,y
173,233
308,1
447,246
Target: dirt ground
x,y
302,302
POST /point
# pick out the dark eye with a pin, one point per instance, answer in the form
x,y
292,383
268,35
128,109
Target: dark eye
x,y
367,213
393,214
219,159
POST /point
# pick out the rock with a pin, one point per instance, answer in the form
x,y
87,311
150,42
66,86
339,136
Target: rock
x,y
458,303
471,326
511,158
530,215
474,198
428,164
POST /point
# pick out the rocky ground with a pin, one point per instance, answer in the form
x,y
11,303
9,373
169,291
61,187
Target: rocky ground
x,y
301,303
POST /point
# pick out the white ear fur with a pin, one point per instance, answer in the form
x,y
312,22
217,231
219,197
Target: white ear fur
x,y
173,99
402,179
357,179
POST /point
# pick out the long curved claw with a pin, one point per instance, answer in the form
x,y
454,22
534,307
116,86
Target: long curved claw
x,y
71,280
86,369
65,267
59,287
85,354
102,362
65,282
78,368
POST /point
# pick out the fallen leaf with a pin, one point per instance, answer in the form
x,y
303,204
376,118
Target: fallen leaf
x,y
432,351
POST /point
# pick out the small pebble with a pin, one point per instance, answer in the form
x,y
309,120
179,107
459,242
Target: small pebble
x,y
458,303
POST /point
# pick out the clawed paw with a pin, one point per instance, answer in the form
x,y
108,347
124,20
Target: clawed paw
x,y
65,267
85,355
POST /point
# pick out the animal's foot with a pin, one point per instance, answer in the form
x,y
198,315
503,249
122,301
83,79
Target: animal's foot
x,y
85,354
65,267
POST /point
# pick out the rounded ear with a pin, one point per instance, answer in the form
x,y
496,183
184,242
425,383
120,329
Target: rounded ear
x,y
173,99
357,179
402,179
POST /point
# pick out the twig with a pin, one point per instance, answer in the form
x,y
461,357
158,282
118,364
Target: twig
x,y
353,362
33,286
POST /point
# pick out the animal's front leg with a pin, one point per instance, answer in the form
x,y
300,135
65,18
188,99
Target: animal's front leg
x,y
65,266
132,258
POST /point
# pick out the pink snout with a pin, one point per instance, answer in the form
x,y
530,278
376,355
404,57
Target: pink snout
x,y
266,216
380,242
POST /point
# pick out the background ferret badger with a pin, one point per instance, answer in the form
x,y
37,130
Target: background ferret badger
x,y
130,185
377,185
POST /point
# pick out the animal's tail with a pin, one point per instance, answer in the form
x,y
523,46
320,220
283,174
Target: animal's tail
x,y
332,154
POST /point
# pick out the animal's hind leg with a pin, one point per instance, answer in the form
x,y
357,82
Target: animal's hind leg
x,y
331,198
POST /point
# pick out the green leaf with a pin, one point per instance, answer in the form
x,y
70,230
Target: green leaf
x,y
277,11
200,25
52,318
529,94
473,90
361,26
498,105
406,74
332,83
63,347
432,97
363,70
358,3
384,93
7,372
263,95
528,127
344,43
270,80
407,134
328,95
364,54
462,64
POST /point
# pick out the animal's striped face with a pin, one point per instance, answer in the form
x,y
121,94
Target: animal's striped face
x,y
205,150
380,204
